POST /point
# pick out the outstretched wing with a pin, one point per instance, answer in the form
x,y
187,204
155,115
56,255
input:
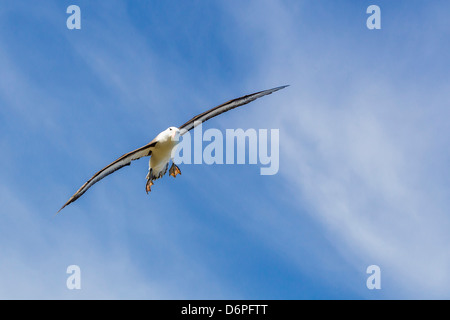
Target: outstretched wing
x,y
224,108
123,161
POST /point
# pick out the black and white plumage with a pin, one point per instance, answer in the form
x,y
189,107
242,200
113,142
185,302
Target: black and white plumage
x,y
160,148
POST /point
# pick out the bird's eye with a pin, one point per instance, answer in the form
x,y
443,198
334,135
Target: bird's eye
x,y
170,129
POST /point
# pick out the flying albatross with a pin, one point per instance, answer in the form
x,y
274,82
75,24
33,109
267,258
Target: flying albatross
x,y
160,148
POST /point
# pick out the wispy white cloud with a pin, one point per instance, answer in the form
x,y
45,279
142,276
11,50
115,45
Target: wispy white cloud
x,y
363,175
37,249
354,141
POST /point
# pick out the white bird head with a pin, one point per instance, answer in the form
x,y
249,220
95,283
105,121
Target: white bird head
x,y
173,134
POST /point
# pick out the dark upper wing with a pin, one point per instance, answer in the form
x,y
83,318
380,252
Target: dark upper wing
x,y
224,108
123,161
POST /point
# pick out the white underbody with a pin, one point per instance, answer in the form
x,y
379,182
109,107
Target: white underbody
x,y
161,154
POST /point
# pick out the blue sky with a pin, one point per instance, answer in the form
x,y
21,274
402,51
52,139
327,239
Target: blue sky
x,y
364,135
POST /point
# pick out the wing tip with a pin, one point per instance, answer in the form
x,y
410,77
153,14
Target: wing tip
x,y
60,210
270,91
280,87
72,199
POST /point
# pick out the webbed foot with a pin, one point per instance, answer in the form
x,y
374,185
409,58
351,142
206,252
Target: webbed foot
x,y
148,186
174,170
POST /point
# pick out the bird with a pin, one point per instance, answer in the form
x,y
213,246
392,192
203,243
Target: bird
x,y
161,147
